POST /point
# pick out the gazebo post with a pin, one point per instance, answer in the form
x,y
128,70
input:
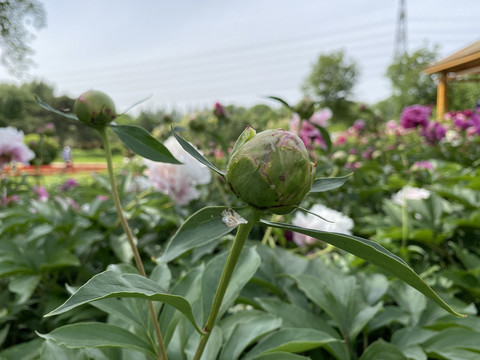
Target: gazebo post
x,y
463,62
442,95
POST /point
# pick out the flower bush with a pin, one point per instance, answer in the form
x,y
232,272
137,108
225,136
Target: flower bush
x,y
411,199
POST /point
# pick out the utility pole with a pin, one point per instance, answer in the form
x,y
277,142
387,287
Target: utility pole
x,y
400,46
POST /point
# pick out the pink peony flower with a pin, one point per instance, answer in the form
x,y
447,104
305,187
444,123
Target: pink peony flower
x,y
426,165
42,193
321,117
359,125
309,134
178,181
12,147
9,199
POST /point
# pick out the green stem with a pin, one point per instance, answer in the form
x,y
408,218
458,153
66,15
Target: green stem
x,y
162,352
237,246
299,127
266,237
404,226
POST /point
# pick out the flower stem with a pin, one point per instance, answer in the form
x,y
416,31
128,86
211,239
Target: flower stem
x,y
162,352
266,237
235,251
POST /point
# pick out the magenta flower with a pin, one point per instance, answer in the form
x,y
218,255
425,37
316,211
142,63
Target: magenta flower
x,y
433,132
415,116
367,154
12,147
219,111
69,184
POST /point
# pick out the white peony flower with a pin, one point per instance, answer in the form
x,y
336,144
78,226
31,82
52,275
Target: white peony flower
x,y
340,223
410,193
178,181
139,183
12,147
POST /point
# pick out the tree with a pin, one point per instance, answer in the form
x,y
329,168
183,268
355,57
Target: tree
x,y
332,78
15,17
410,85
331,83
463,95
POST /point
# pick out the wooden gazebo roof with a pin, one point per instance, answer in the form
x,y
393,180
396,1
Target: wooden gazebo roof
x,y
464,62
467,59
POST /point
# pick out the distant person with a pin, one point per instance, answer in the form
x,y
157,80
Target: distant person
x,y
67,156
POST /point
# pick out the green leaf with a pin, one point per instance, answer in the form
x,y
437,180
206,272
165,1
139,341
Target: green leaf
x,y
110,284
55,111
96,334
189,287
135,104
25,351
456,354
4,333
11,268
192,151
337,295
246,332
410,336
142,143
415,352
212,348
330,183
24,286
199,229
325,136
59,259
291,340
281,101
53,351
247,265
453,338
280,355
374,253
295,316
382,350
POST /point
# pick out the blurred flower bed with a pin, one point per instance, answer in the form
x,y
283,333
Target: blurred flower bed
x,y
415,189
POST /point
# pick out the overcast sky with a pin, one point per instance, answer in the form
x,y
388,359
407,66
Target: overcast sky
x,y
190,53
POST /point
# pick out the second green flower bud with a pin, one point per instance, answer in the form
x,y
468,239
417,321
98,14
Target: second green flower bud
x,y
95,108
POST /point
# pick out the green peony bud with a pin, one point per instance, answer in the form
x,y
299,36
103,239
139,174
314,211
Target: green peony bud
x,y
95,108
270,170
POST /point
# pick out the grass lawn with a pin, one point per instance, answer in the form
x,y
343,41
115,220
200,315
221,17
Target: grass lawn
x,y
79,156
93,155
